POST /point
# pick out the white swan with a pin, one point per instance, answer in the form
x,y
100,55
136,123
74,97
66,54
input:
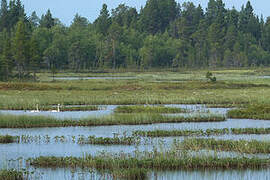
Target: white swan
x,y
35,111
58,109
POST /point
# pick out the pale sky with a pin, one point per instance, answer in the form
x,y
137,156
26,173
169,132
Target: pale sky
x,y
66,9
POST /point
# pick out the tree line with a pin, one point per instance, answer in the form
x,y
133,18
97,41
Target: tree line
x,y
163,34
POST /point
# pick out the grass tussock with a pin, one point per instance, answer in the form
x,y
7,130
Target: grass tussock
x,y
108,141
207,132
251,112
200,85
12,121
242,146
26,86
167,161
164,133
7,139
11,175
148,109
250,130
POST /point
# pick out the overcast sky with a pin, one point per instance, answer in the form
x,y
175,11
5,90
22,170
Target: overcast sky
x,y
66,9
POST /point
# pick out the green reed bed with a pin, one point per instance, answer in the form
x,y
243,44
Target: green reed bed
x,y
224,105
11,175
242,146
251,112
250,130
62,139
207,132
8,139
164,133
148,109
13,121
108,141
164,161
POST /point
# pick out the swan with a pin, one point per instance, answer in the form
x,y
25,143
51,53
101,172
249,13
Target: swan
x,y
58,109
35,111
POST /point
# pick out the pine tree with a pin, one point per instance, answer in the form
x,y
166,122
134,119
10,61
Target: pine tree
x,y
4,15
47,20
6,61
103,22
21,48
34,19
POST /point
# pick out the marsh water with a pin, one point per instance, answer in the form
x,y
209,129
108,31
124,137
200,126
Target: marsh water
x,y
109,109
14,155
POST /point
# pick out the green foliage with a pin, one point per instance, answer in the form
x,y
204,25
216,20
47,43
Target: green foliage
x,y
47,21
243,146
162,161
11,175
148,109
7,139
20,48
251,112
108,141
210,77
13,121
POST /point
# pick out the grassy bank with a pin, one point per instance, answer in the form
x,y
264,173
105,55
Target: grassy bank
x,y
233,89
164,133
8,139
250,130
13,121
251,112
242,146
149,109
207,132
108,141
11,175
159,161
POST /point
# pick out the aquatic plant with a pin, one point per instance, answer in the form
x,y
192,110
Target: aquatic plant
x,y
242,146
107,141
13,121
250,130
251,112
149,109
11,175
7,139
164,133
161,161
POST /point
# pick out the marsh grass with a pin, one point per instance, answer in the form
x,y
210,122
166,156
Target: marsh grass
x,y
250,130
108,141
167,161
164,133
11,175
149,109
13,121
251,112
242,146
8,139
25,96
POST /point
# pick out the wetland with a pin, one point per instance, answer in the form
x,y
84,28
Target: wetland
x,y
149,126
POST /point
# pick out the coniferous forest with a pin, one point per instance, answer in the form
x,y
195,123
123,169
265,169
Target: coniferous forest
x,y
163,34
